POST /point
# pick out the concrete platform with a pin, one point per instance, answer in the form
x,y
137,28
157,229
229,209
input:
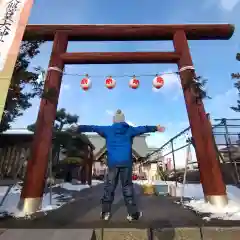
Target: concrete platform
x,y
158,211
162,219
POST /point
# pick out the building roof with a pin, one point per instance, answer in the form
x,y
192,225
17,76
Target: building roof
x,y
227,149
139,146
18,132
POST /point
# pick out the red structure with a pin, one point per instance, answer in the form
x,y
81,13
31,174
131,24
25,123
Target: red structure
x,y
211,177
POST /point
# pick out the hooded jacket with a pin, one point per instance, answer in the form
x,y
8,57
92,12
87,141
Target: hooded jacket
x,y
119,139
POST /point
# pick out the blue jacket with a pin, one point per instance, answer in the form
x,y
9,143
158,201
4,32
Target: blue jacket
x,y
119,139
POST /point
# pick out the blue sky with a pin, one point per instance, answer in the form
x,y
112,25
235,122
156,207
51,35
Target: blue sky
x,y
215,60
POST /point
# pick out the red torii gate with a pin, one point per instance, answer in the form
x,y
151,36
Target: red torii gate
x,y
211,177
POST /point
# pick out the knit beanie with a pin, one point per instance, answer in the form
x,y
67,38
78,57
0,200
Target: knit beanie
x,y
119,117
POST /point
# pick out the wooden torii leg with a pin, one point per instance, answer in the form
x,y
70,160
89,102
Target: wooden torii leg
x,y
209,167
32,192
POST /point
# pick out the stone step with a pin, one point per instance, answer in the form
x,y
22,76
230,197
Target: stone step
x,y
195,233
48,234
204,233
121,234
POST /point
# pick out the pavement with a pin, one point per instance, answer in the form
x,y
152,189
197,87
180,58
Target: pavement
x,y
162,219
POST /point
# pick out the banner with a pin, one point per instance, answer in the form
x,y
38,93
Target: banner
x,y
14,16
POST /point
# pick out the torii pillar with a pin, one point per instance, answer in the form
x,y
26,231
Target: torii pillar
x,y
209,167
34,184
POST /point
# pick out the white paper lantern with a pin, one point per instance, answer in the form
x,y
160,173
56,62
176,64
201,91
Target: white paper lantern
x,y
110,83
134,83
86,84
158,82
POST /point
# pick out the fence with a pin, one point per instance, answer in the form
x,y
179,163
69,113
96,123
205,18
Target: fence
x,y
13,161
14,155
226,133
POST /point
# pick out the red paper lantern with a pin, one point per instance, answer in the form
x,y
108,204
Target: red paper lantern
x,y
86,83
110,83
158,82
134,83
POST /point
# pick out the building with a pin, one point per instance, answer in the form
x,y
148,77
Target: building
x,y
23,138
140,148
150,166
231,151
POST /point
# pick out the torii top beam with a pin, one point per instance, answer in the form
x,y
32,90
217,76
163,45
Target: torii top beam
x,y
129,32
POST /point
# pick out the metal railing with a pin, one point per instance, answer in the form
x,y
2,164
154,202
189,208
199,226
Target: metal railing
x,y
226,133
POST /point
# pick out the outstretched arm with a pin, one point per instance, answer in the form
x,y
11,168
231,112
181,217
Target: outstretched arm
x,y
101,130
136,131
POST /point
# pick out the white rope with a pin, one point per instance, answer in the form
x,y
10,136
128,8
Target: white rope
x,y
186,68
55,69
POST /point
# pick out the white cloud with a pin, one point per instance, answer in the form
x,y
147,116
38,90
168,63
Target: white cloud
x,y
109,112
171,84
228,5
225,5
172,81
66,87
156,140
220,105
40,78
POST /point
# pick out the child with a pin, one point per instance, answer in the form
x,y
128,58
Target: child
x,y
119,138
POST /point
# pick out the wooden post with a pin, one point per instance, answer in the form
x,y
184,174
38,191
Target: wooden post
x,y
89,167
32,192
174,163
210,173
83,174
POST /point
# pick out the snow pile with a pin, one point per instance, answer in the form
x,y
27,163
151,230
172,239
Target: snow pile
x,y
9,206
156,182
229,212
198,204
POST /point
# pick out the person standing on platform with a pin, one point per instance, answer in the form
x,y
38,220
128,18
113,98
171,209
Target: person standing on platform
x,y
119,139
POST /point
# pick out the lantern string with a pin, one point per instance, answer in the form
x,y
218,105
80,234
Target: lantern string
x,y
119,76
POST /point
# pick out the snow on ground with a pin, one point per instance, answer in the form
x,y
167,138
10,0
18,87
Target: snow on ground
x,y
9,206
197,202
229,212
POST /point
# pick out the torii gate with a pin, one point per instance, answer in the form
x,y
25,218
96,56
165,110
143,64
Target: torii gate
x,y
211,178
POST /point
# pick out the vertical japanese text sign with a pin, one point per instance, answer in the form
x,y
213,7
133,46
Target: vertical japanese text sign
x,y
13,20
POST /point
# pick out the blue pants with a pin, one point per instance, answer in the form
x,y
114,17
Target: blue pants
x,y
111,181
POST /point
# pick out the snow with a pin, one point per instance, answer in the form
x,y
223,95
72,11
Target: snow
x,y
198,204
49,203
192,191
18,131
229,212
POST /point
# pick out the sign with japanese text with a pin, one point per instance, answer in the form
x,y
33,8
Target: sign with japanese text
x,y
13,20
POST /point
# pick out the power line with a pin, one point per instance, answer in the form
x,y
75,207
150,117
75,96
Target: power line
x,y
120,76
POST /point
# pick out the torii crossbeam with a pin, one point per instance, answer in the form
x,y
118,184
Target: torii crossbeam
x,y
211,177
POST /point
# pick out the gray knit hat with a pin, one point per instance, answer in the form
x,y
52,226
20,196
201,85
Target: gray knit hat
x,y
119,117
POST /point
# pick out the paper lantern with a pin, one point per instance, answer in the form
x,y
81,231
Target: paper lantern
x,y
134,83
158,82
110,83
86,83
